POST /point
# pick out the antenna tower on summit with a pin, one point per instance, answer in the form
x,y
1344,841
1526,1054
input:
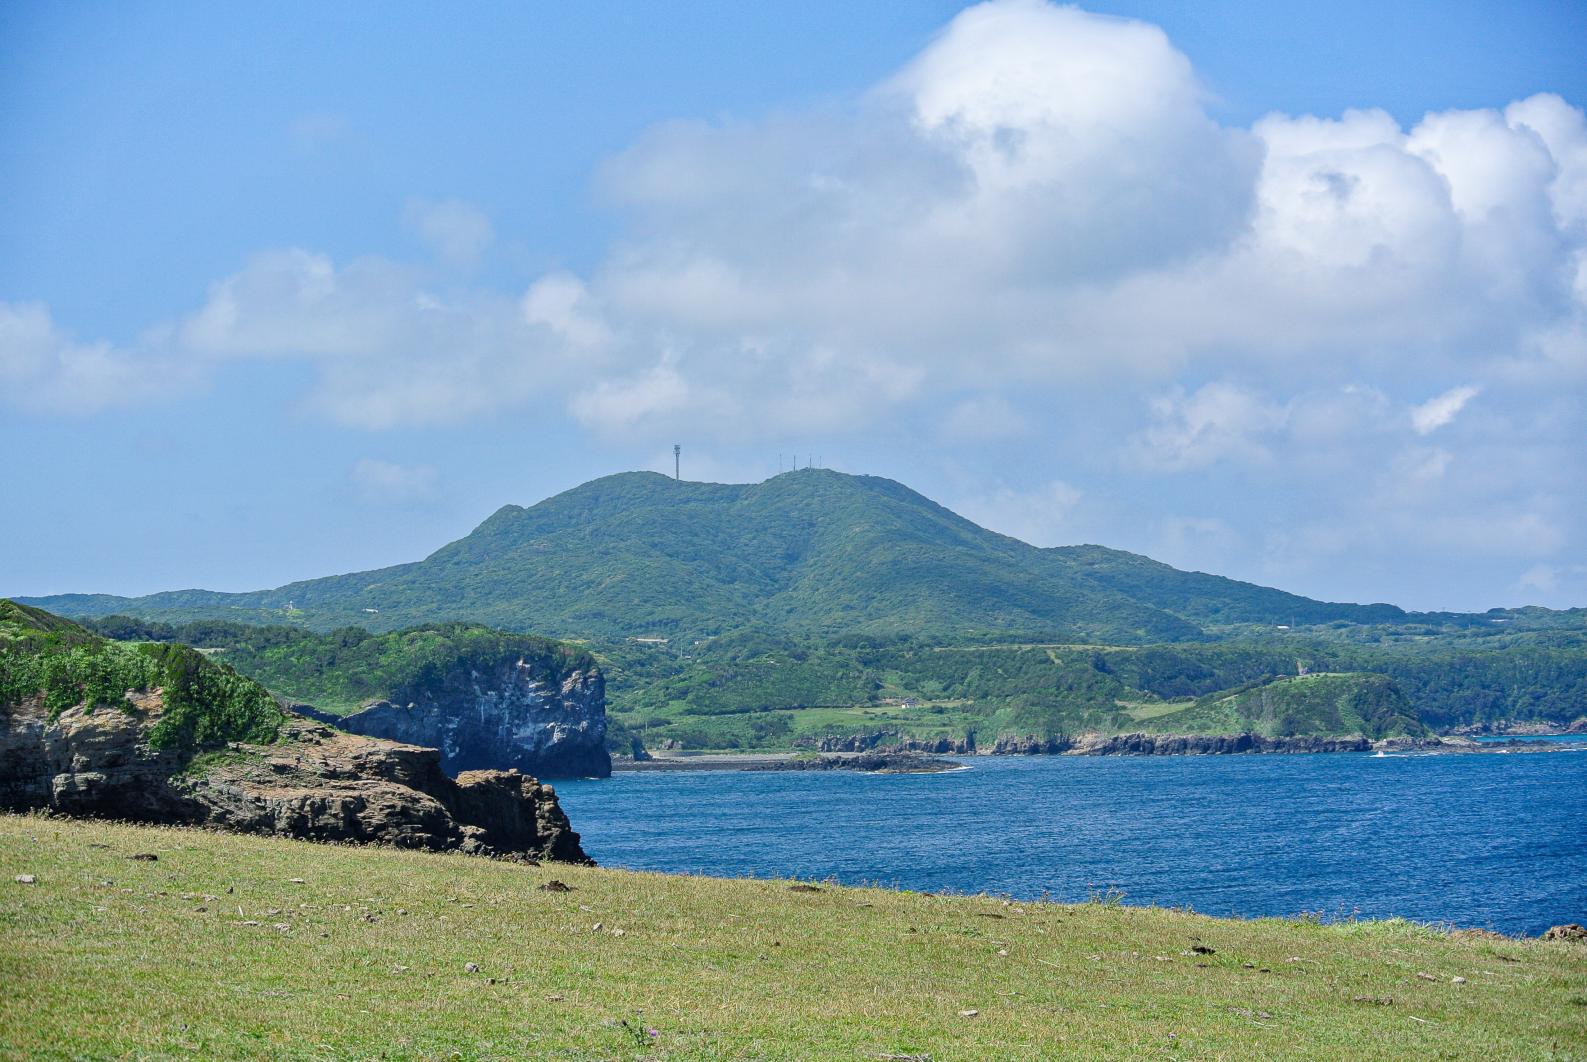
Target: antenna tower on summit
x,y
676,451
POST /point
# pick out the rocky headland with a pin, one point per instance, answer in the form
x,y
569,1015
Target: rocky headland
x,y
487,699
158,733
502,714
313,783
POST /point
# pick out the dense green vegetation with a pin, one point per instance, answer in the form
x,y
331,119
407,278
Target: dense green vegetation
x,y
343,669
204,954
65,666
819,603
1327,703
762,690
809,552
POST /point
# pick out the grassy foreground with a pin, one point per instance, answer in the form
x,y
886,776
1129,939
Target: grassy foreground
x,y
228,946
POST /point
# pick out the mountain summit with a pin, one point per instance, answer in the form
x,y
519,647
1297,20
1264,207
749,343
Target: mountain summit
x,y
815,551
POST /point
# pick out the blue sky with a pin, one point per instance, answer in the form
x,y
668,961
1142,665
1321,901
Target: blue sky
x,y
301,289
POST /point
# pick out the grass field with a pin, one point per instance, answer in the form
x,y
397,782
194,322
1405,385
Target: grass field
x,y
231,946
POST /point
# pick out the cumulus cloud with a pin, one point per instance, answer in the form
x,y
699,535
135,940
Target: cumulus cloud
x,y
1552,578
1037,208
44,368
387,483
390,350
1204,542
1218,421
985,418
1039,198
1441,409
456,231
1043,516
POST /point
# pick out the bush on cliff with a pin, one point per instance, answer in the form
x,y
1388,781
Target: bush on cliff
x,y
205,704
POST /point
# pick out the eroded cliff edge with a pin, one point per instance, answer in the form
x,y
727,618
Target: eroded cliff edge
x,y
504,714
158,733
486,699
313,782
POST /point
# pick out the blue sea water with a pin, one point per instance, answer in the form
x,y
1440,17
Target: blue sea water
x,y
1494,841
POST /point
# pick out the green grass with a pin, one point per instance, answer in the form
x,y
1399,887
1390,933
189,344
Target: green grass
x,y
108,957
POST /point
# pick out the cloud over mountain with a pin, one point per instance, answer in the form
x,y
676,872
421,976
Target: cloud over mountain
x,y
1036,220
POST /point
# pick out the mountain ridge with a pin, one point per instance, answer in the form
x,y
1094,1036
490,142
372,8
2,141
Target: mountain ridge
x,y
639,554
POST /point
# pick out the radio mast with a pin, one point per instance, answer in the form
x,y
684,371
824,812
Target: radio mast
x,y
676,450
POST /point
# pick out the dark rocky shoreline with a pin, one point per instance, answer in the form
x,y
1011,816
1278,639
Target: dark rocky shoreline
x,y
312,783
874,753
869,762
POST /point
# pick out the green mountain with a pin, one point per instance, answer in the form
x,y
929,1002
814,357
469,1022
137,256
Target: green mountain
x,y
812,552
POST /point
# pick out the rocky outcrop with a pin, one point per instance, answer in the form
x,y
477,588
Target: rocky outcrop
x,y
868,762
1209,744
892,741
1031,746
1517,728
313,782
508,715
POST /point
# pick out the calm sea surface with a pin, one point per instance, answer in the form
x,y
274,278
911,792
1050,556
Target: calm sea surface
x,y
1496,841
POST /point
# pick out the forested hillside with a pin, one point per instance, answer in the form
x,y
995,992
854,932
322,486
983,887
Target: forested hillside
x,y
339,671
757,689
812,552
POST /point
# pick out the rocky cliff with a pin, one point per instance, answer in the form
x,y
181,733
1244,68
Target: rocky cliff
x,y
1207,744
160,733
312,782
487,699
1093,744
893,741
503,714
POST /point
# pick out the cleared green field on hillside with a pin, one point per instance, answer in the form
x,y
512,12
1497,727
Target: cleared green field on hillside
x,y
231,946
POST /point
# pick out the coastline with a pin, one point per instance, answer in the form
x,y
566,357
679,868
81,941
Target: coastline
x,y
879,762
882,759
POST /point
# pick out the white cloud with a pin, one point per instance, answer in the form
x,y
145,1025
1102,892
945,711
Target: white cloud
x,y
1218,421
390,350
387,483
985,418
1550,579
456,231
1207,543
1441,409
1043,516
562,303
42,368
1028,223
1038,200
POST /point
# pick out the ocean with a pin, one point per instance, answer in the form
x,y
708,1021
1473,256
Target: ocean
x,y
1495,841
